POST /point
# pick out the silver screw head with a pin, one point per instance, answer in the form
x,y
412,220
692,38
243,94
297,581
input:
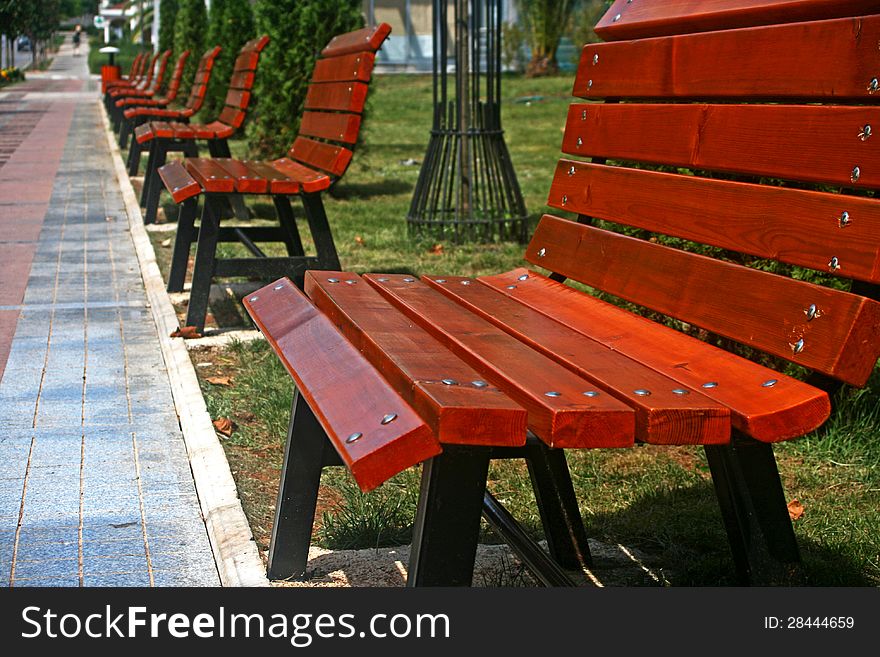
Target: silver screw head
x,y
252,299
710,384
552,393
583,115
351,281
524,277
479,383
278,287
332,280
409,279
681,392
595,59
571,170
812,312
511,287
873,85
357,435
641,392
449,382
389,418
834,264
580,142
856,174
564,199
439,280
382,280
615,19
589,84
542,252
845,219
465,282
591,393
769,383
798,346
865,132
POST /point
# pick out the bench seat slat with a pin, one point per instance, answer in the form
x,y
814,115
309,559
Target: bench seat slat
x,y
345,392
826,59
246,180
812,143
178,181
794,226
762,310
309,179
278,182
663,416
416,364
787,409
648,19
568,420
210,174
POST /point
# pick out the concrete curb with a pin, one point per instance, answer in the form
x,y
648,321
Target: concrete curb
x,y
235,552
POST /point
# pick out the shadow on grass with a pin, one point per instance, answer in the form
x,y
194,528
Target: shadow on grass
x,y
351,191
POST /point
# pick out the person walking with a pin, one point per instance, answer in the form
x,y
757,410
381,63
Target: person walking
x,y
77,36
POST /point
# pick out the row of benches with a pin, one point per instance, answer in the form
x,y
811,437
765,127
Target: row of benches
x,y
713,131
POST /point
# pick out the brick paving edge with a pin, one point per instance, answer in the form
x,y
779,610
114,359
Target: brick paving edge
x,y
235,551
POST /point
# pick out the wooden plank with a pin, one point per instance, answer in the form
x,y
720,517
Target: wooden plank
x,y
238,98
242,80
278,182
179,183
417,365
206,63
366,39
833,59
246,61
357,66
232,117
319,155
666,412
637,20
309,179
246,180
570,419
340,96
346,393
762,310
331,125
812,143
795,226
787,409
210,175
256,44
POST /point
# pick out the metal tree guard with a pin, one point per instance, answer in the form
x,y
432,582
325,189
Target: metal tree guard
x,y
467,189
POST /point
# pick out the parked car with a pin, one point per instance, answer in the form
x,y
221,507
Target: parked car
x,y
23,43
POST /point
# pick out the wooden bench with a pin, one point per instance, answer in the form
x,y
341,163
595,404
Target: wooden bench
x,y
319,156
122,126
711,142
142,83
137,116
168,136
133,76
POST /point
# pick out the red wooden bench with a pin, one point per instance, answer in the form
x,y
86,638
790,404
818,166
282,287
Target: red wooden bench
x,y
133,76
143,82
711,142
136,116
319,156
150,96
168,136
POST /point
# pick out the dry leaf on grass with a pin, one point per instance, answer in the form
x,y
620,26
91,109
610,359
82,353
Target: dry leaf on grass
x,y
437,249
223,425
795,509
165,243
359,240
219,380
187,333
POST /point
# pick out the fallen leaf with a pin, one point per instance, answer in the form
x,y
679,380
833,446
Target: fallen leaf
x,y
219,380
795,509
359,240
437,249
108,218
187,333
165,243
223,425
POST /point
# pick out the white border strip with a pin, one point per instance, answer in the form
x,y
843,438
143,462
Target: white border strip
x,y
235,551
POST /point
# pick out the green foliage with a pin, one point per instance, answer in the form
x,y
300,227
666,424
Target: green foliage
x,y
298,30
167,17
231,25
545,21
189,34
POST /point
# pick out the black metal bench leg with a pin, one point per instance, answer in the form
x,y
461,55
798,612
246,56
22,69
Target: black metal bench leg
x,y
151,158
154,182
557,505
134,158
320,228
186,235
124,133
289,231
447,523
203,269
755,514
297,493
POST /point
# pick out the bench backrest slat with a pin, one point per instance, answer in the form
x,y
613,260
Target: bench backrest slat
x,y
176,76
794,226
150,72
635,20
335,100
831,59
763,310
815,143
202,79
238,95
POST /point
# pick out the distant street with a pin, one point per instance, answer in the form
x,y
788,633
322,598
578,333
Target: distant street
x,y
22,58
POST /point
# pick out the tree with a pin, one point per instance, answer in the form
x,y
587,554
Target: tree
x,y
230,25
298,30
167,16
38,19
189,34
545,21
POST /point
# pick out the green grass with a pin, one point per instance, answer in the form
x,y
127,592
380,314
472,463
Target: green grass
x,y
657,499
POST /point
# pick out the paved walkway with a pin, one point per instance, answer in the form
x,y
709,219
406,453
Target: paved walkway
x,y
95,484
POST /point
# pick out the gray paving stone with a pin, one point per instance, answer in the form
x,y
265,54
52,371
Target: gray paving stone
x,y
44,551
55,582
31,535
176,578
115,564
122,547
100,529
46,568
117,580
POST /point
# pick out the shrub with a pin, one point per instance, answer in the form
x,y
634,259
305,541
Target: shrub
x,y
189,34
231,25
167,17
298,30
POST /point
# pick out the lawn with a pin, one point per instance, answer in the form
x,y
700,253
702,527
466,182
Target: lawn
x,y
659,500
